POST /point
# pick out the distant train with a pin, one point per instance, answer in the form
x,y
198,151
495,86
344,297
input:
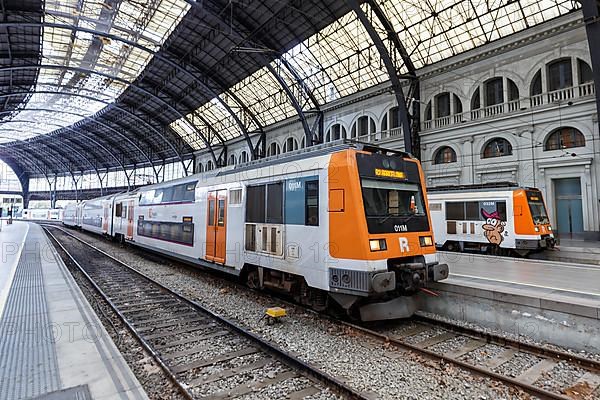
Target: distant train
x,y
498,219
340,222
46,214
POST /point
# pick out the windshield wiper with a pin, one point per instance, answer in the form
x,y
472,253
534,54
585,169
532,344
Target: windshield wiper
x,y
409,217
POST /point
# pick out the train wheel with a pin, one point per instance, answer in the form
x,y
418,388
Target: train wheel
x,y
252,279
521,253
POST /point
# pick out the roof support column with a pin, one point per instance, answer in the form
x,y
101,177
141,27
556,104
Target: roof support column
x,y
591,17
403,116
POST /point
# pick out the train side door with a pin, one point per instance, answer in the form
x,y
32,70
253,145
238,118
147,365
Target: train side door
x,y
105,219
216,226
129,221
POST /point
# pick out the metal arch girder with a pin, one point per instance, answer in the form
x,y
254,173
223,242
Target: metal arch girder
x,y
28,161
33,147
591,18
91,71
89,162
391,70
111,106
393,36
103,74
68,146
295,103
22,176
156,55
99,123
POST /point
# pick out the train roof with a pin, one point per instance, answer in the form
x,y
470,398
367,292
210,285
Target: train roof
x,y
479,187
297,155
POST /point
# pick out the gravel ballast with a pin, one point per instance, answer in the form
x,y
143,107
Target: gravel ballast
x,y
364,364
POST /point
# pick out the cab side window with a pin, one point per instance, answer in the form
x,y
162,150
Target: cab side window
x,y
312,203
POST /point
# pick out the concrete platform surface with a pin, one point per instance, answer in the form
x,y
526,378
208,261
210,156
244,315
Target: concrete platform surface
x,y
553,302
51,343
539,276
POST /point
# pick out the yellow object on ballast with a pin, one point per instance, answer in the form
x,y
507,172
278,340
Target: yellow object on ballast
x,y
276,312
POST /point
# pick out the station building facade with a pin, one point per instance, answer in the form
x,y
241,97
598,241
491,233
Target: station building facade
x,y
519,109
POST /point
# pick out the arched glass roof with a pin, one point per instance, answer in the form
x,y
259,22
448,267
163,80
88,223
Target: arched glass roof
x,y
85,65
125,84
341,59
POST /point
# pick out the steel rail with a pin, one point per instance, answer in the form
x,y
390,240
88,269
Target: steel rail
x,y
304,368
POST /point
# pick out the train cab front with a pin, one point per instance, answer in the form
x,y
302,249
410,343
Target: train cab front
x,y
532,223
381,237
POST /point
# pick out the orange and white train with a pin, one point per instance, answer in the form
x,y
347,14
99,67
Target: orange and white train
x,y
499,219
340,225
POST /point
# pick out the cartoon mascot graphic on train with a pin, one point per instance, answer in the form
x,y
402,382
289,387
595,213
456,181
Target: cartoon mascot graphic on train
x,y
494,227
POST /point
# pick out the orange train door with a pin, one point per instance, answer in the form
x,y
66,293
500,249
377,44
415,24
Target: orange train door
x,y
129,221
216,225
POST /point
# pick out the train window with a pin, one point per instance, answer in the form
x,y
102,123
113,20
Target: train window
x,y
472,211
167,196
211,212
158,195
455,210
255,204
501,208
221,216
118,209
312,203
275,203
235,197
250,237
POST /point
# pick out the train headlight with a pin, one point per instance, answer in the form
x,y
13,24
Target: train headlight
x,y
536,228
549,228
377,244
426,241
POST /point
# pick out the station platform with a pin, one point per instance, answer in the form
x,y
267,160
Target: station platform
x,y
572,251
574,286
52,345
554,302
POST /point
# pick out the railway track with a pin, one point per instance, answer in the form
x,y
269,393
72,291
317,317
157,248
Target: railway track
x,y
525,366
204,354
489,355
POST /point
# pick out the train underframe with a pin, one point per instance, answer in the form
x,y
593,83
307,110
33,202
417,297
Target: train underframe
x,y
389,294
523,247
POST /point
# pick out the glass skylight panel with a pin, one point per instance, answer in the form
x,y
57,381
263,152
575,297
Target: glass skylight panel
x,y
148,23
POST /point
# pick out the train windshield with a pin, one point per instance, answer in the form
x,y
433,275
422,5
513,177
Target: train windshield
x,y
537,208
384,199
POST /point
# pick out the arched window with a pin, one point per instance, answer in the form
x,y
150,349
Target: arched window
x,y
497,147
336,132
209,165
560,74
536,84
273,149
444,104
585,72
458,108
494,92
290,144
200,167
445,155
232,160
428,112
476,100
564,138
390,119
513,90
363,126
243,157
